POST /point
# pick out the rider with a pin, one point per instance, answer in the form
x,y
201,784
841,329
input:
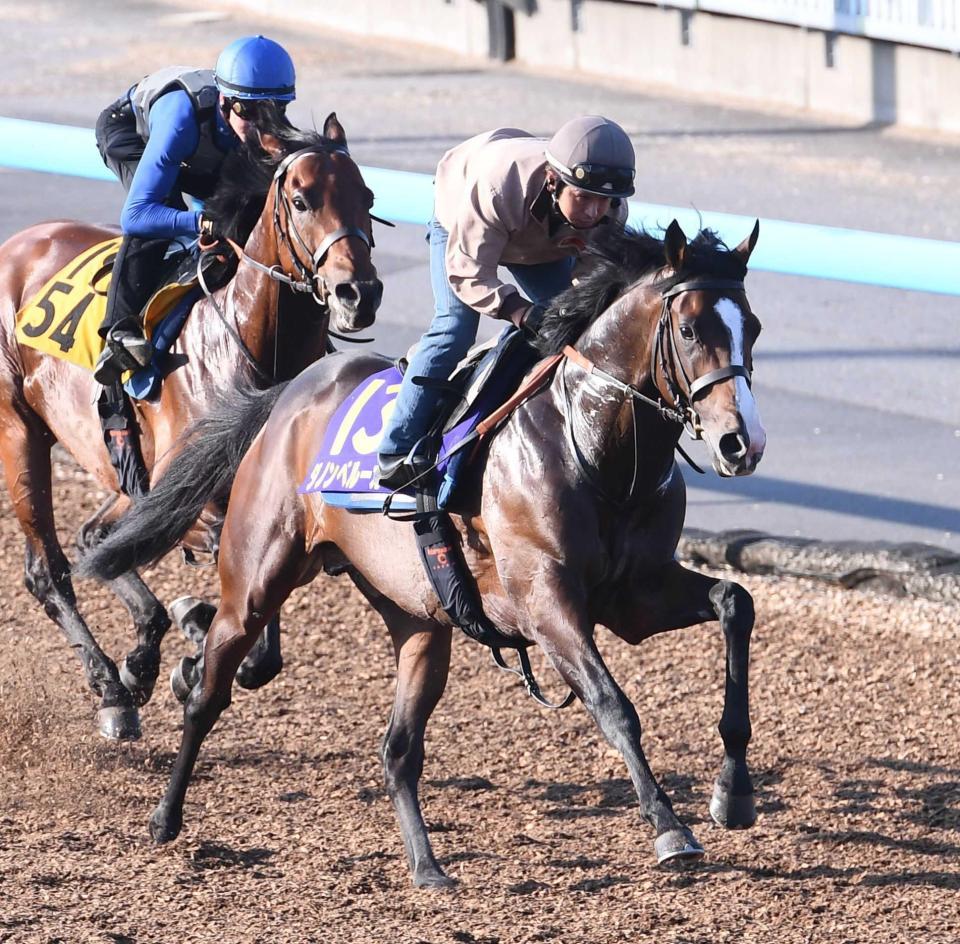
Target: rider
x,y
503,198
169,135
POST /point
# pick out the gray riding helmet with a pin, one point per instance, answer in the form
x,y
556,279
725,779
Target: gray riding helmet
x,y
593,153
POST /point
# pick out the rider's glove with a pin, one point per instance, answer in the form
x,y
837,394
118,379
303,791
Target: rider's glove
x,y
207,227
532,319
209,237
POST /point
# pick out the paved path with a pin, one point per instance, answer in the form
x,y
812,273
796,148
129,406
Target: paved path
x,y
857,385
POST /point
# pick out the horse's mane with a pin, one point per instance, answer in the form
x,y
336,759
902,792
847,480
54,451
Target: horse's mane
x,y
614,260
247,173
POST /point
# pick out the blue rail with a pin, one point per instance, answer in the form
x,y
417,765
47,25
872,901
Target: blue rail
x,y
824,252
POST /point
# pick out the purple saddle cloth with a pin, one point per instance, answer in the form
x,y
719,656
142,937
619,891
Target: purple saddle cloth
x,y
343,470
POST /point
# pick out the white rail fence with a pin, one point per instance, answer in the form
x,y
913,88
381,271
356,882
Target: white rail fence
x,y
931,23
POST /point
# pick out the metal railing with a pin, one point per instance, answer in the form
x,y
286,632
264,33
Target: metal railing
x,y
931,23
826,252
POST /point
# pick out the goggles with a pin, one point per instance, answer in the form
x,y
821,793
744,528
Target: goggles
x,y
248,110
599,178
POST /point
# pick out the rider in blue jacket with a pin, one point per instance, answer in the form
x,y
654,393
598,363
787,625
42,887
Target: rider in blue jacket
x,y
168,135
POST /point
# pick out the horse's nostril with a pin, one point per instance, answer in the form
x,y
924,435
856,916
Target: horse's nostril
x,y
348,293
733,446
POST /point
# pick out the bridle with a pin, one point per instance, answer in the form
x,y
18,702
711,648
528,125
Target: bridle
x,y
664,355
308,279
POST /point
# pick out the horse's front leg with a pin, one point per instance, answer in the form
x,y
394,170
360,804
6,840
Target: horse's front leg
x,y
673,598
561,626
265,660
140,668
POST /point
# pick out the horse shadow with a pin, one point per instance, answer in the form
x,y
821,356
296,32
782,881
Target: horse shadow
x,y
616,795
932,804
214,855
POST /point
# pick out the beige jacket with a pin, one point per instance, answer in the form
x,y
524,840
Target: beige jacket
x,y
492,200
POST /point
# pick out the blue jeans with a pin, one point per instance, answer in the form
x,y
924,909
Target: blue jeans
x,y
449,337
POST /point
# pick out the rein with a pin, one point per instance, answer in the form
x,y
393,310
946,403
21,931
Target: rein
x,y
663,354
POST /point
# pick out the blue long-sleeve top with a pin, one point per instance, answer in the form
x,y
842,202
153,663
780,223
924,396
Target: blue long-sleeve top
x,y
174,137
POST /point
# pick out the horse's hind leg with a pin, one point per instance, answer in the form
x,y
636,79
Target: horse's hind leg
x,y
422,652
679,597
25,453
140,668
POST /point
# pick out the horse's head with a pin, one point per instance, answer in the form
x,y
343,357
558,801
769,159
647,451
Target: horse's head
x,y
702,356
321,216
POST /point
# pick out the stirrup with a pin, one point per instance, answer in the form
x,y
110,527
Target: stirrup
x,y
136,346
398,470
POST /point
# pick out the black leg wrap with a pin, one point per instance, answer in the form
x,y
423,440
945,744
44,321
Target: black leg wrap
x,y
447,570
123,446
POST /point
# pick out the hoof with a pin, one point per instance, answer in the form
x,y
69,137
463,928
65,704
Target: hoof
x,y
192,617
164,828
183,677
677,847
119,723
436,879
139,686
731,811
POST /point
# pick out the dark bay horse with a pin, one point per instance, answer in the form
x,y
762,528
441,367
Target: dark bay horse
x,y
303,211
575,525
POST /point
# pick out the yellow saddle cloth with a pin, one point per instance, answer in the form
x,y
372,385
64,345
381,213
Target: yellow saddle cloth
x,y
64,317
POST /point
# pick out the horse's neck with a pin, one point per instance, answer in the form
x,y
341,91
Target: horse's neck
x,y
251,299
613,433
264,313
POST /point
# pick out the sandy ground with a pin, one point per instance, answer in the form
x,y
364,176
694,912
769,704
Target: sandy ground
x,y
289,836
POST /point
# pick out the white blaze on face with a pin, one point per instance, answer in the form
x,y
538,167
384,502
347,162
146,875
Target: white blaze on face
x,y
731,315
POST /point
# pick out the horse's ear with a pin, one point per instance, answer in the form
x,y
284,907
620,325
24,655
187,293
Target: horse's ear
x,y
675,246
333,130
746,247
272,146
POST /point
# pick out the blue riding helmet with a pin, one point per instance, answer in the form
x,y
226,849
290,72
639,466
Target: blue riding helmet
x,y
254,67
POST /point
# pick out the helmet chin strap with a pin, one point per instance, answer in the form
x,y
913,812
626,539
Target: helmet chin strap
x,y
555,188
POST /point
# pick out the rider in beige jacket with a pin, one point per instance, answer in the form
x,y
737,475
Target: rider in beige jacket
x,y
503,199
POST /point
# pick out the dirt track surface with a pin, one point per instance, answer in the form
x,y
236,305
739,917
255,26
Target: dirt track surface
x,y
289,836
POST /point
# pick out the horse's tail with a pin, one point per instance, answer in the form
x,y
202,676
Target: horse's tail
x,y
202,471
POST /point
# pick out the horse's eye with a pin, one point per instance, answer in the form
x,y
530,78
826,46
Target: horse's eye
x,y
299,204
687,332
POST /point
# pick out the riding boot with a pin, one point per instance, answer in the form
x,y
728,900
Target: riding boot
x,y
133,281
398,471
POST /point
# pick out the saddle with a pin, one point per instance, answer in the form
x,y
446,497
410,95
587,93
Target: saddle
x,y
343,471
63,320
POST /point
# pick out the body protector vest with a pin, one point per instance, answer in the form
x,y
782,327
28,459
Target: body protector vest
x,y
199,84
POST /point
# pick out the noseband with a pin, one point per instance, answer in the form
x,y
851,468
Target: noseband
x,y
665,355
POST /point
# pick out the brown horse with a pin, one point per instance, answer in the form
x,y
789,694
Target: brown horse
x,y
575,525
303,210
